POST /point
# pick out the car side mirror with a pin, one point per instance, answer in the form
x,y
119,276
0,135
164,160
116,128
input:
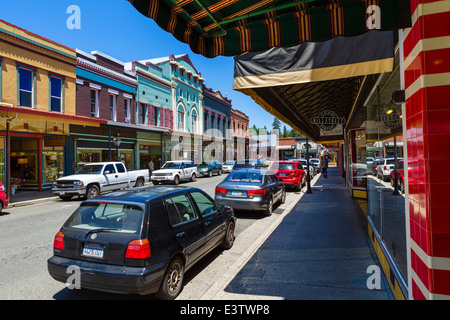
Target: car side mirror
x,y
220,207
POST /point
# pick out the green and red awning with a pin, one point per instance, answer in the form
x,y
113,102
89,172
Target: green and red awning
x,y
232,27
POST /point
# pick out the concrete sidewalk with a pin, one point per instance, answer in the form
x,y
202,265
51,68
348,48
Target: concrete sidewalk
x,y
318,252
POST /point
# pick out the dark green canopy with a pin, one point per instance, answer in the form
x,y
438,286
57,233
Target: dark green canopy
x,y
232,27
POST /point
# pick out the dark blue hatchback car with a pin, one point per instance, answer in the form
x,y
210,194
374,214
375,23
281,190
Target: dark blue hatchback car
x,y
140,240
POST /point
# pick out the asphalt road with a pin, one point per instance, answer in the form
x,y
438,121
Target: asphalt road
x,y
27,242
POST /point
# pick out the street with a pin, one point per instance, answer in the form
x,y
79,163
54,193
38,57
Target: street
x,y
27,240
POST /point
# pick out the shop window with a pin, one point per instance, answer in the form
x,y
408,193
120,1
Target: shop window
x,y
386,176
53,165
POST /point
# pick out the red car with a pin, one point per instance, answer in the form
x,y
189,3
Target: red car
x,y
401,179
3,199
291,172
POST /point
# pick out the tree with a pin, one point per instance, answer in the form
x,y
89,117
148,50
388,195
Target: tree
x,y
276,124
285,133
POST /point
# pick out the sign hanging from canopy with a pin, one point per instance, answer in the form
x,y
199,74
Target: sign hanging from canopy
x,y
232,27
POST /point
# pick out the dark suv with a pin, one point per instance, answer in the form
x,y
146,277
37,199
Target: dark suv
x,y
140,240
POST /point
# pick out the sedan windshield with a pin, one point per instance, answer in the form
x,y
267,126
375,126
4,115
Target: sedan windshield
x,y
171,165
115,217
90,169
243,176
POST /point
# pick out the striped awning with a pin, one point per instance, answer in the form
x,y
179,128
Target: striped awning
x,y
232,27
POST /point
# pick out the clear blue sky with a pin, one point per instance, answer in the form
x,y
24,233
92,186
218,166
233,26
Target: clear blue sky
x,y
115,28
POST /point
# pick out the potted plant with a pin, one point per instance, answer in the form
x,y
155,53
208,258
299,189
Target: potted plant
x,y
15,183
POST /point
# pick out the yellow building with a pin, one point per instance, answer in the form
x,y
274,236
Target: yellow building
x,y
37,104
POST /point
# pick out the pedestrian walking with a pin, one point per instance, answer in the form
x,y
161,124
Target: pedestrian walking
x,y
324,165
151,166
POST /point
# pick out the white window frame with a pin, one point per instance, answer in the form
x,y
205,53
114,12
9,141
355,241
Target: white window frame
x,y
96,103
113,109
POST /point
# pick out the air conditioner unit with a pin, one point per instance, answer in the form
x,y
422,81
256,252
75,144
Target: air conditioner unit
x,y
127,120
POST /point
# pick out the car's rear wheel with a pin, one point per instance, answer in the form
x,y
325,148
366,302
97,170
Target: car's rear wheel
x,y
229,236
269,209
172,281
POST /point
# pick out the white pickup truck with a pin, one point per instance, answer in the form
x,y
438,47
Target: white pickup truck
x,y
175,171
93,178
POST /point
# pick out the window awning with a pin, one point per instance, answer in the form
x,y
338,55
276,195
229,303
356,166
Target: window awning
x,y
314,87
232,27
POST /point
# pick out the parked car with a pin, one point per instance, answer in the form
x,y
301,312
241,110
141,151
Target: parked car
x,y
290,172
174,172
140,240
316,163
209,168
312,169
244,166
385,167
228,166
253,189
374,166
400,176
93,178
3,198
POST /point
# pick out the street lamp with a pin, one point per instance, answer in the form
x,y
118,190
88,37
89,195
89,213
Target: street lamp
x,y
117,142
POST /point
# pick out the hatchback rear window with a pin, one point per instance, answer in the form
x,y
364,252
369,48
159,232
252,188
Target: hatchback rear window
x,y
117,217
242,176
283,166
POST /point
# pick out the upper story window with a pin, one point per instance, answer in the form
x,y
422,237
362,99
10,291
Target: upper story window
x,y
143,113
56,93
127,110
180,117
94,103
156,116
112,107
194,120
26,79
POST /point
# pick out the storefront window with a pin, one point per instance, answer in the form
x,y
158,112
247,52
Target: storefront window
x,y
53,162
385,175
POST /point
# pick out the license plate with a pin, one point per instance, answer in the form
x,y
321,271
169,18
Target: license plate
x,y
282,175
93,250
236,193
62,193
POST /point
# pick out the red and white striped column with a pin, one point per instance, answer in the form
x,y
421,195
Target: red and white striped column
x,y
427,111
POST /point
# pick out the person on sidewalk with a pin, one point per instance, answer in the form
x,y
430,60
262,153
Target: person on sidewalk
x,y
324,165
151,166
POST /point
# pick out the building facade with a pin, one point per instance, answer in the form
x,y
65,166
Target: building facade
x,y
217,142
240,135
37,106
104,91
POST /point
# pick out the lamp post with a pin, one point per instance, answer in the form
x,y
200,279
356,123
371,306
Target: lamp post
x,y
117,142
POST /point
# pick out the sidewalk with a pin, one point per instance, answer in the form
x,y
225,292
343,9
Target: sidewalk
x,y
318,252
23,198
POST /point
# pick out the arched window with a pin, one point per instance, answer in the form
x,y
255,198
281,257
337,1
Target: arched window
x,y
181,114
194,120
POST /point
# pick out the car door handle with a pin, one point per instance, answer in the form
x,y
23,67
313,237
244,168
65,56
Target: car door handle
x,y
207,223
180,235
116,176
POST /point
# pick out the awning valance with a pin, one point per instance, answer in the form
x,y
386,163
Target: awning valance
x,y
232,27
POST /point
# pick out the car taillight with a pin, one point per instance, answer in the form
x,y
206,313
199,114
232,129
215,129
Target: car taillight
x,y
221,190
296,173
138,249
385,168
58,242
258,191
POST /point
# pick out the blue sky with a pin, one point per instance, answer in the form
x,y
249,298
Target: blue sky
x,y
115,28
